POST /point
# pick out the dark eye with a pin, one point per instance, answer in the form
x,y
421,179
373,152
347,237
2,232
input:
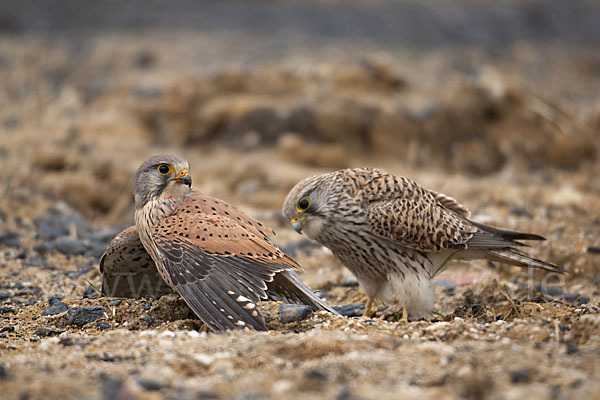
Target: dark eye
x,y
164,169
303,204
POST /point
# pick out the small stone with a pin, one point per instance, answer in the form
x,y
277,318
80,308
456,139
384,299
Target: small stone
x,y
520,376
148,320
3,372
56,307
10,239
572,348
350,310
293,248
84,315
520,212
70,246
102,325
255,395
4,296
115,302
206,394
90,293
349,282
293,312
6,310
446,284
35,260
45,331
593,249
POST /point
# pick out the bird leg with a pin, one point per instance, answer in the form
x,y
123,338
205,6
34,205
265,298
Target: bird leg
x,y
404,315
370,308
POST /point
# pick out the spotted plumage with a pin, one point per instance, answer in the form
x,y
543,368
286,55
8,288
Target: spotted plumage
x,y
220,260
394,235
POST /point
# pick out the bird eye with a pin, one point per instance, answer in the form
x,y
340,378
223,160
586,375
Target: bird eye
x,y
165,169
303,204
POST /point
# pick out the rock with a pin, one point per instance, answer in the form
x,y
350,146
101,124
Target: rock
x,y
206,394
593,249
102,325
350,310
6,310
572,348
90,293
45,331
293,312
520,212
520,376
255,395
96,249
349,282
293,248
56,307
115,302
3,372
70,246
35,260
446,284
84,315
148,320
10,239
4,296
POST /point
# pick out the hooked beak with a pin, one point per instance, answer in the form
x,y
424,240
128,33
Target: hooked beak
x,y
298,223
183,178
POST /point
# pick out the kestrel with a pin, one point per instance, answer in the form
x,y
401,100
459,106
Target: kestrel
x,y
394,235
216,257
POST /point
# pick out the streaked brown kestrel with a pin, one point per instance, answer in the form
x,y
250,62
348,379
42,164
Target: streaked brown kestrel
x,y
216,257
394,235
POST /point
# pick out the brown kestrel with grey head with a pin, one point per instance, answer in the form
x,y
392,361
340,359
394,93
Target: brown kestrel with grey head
x,y
220,260
394,235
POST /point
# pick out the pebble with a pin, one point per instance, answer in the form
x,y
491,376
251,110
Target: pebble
x,y
446,284
84,315
70,246
35,260
58,223
350,310
4,296
6,310
90,293
10,239
293,312
520,212
102,325
349,282
572,348
593,249
3,373
206,394
148,320
115,302
56,307
520,376
293,248
45,331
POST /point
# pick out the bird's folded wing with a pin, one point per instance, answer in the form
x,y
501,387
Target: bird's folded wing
x,y
219,260
419,224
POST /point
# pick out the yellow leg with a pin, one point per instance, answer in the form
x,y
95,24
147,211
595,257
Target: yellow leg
x,y
370,309
404,315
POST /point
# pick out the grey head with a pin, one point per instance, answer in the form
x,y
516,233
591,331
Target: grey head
x,y
311,202
162,177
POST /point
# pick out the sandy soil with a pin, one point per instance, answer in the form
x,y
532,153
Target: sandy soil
x,y
508,126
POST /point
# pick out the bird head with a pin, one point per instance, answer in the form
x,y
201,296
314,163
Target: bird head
x,y
162,177
309,202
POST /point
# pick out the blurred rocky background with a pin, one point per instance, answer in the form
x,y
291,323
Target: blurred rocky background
x,y
494,103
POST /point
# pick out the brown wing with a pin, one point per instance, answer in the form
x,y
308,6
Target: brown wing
x,y
128,270
219,260
401,210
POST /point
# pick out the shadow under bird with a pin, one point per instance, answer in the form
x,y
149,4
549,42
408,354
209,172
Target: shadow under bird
x,y
395,235
220,260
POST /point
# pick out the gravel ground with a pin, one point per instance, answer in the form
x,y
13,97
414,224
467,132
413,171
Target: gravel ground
x,y
506,123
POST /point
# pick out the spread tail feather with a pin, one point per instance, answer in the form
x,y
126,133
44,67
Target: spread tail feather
x,y
287,286
516,257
